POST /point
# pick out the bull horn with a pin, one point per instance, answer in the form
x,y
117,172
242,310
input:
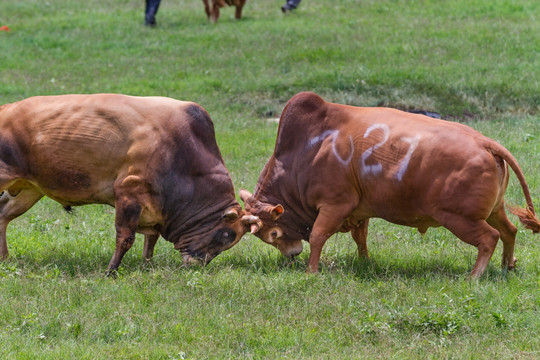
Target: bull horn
x,y
254,228
249,219
231,214
244,195
253,221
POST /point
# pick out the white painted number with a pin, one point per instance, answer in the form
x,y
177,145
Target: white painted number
x,y
374,169
413,143
334,135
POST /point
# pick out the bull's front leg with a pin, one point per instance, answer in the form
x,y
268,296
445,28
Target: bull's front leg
x,y
238,12
328,222
128,213
207,9
215,12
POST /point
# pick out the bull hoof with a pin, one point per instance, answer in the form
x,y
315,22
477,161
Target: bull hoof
x,y
112,273
147,257
511,265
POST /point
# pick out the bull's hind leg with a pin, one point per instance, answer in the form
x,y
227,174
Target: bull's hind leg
x,y
359,235
149,244
508,231
11,207
477,233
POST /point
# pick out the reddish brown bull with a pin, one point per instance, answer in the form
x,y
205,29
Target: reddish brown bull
x,y
335,166
212,12
154,159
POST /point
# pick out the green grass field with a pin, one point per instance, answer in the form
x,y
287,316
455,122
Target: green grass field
x,y
475,61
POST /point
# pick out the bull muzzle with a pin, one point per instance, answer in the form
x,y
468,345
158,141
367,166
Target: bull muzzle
x,y
188,260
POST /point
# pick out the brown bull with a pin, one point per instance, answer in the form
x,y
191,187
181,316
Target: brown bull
x,y
154,159
212,12
335,166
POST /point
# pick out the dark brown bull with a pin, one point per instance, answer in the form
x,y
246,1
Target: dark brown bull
x,y
336,166
212,12
154,159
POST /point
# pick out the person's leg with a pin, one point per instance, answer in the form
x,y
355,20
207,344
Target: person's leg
x,y
151,11
290,5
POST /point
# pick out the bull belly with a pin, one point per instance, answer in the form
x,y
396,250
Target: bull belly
x,y
148,221
78,197
422,223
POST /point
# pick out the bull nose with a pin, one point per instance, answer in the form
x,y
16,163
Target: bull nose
x,y
293,255
293,251
188,260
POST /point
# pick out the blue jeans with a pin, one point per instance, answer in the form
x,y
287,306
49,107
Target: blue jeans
x,y
293,4
151,11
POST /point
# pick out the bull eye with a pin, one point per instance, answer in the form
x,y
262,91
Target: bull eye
x,y
225,236
274,234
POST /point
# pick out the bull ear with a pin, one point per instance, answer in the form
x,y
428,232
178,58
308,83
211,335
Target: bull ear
x,y
276,211
230,214
244,195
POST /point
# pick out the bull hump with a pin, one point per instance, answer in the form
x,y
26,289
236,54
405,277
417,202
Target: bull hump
x,y
202,128
304,114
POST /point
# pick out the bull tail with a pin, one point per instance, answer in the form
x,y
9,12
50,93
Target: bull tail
x,y
527,216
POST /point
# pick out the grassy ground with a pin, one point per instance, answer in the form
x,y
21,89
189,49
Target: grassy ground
x,y
474,61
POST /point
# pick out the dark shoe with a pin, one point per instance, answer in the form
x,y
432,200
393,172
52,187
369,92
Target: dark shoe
x,y
286,8
150,21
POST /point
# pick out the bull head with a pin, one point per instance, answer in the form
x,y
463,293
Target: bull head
x,y
228,230
255,207
263,218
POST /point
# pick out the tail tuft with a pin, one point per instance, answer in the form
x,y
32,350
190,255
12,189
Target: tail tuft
x,y
527,218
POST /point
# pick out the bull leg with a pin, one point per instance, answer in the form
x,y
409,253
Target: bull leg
x,y
128,212
215,13
477,233
328,222
359,235
238,13
12,207
207,9
508,232
149,244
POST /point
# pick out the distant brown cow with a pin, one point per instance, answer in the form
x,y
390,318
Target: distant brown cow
x,y
154,159
335,166
212,12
